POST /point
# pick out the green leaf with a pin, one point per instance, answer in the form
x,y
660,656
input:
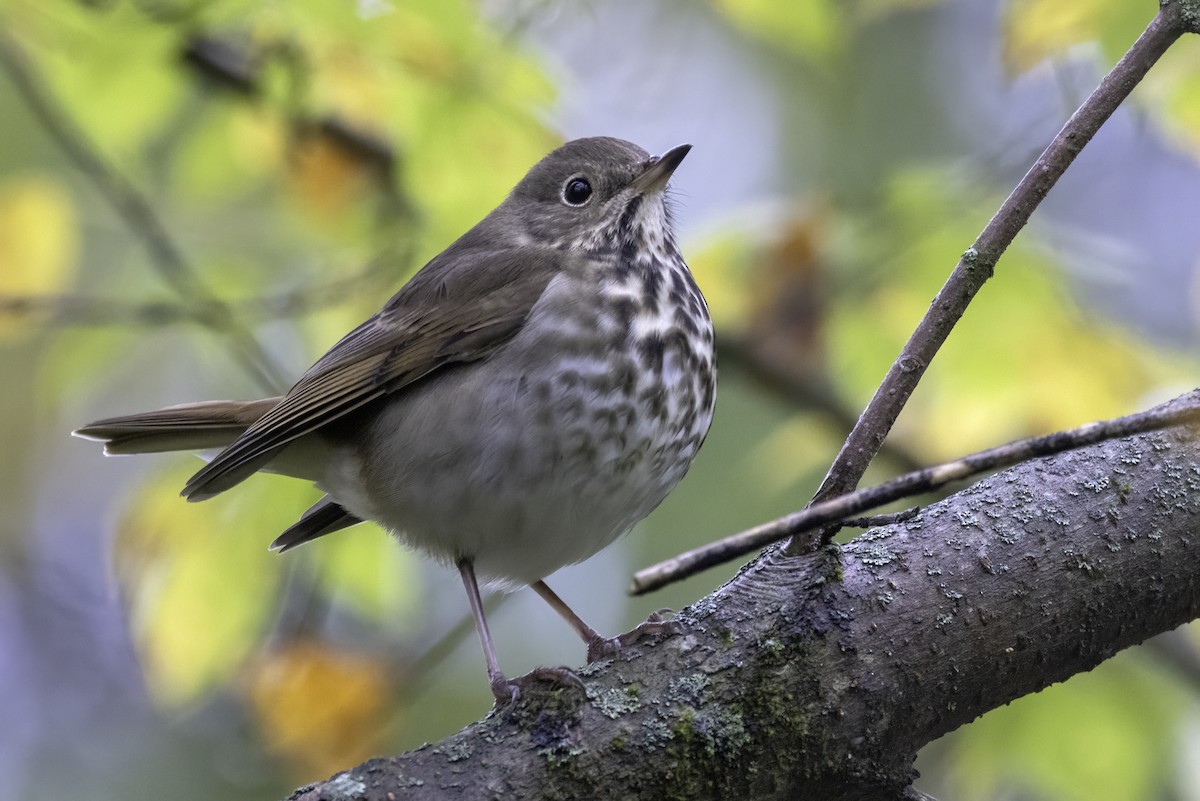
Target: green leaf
x,y
814,29
1005,371
1101,736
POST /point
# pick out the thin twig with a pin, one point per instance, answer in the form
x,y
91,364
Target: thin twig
x,y
137,213
83,310
875,521
979,261
825,512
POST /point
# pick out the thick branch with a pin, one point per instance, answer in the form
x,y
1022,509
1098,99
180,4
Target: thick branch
x,y
836,509
978,263
822,677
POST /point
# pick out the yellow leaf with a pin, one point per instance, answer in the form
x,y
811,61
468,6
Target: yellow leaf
x,y
1180,86
198,579
327,175
723,265
320,708
1038,29
39,240
369,571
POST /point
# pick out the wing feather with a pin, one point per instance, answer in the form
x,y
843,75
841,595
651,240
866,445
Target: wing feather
x,y
458,308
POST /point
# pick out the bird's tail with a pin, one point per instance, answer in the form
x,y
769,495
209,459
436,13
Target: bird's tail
x,y
187,427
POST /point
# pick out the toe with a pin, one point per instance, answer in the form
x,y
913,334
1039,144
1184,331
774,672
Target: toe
x,y
603,648
505,691
564,677
661,615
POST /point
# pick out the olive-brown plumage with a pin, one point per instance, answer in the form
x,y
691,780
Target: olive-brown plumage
x,y
531,394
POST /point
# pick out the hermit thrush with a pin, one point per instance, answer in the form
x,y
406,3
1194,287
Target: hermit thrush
x,y
532,393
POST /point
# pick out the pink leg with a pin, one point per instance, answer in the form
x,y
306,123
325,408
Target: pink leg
x,y
598,646
503,688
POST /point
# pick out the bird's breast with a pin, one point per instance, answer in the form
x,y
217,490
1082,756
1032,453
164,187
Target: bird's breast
x,y
561,440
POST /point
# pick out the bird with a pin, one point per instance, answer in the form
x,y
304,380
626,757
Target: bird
x,y
527,397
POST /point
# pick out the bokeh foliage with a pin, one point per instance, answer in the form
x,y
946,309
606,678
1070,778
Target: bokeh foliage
x,y
341,148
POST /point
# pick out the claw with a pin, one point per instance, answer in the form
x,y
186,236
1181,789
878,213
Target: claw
x,y
504,690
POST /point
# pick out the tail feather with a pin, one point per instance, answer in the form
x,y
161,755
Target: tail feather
x,y
323,517
187,427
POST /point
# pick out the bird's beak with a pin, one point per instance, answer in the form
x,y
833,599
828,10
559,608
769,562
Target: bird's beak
x,y
658,170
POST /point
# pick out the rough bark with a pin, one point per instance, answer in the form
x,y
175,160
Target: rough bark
x,y
821,676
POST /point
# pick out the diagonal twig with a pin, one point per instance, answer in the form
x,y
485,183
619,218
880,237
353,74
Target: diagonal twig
x,y
977,264
137,213
822,513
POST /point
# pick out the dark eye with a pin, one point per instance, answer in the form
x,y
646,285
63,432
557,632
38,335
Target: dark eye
x,y
576,191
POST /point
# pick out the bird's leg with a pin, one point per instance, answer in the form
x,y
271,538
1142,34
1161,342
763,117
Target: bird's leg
x,y
503,688
599,646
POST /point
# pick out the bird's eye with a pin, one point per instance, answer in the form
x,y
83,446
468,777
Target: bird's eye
x,y
576,191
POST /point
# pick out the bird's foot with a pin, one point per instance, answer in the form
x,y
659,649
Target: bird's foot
x,y
660,615
605,647
508,690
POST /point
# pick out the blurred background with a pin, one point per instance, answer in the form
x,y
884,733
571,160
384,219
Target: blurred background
x,y
198,198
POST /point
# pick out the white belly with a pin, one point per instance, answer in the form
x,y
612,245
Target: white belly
x,y
534,459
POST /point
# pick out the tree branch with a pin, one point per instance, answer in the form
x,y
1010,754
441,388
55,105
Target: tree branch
x,y
979,261
84,310
137,213
822,677
931,478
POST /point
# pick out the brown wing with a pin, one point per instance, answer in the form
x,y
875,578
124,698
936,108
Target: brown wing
x,y
458,308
